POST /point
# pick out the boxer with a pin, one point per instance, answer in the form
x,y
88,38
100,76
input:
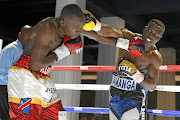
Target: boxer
x,y
137,68
31,92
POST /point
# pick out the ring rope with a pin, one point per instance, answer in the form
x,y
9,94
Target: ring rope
x,y
87,110
107,68
170,113
167,88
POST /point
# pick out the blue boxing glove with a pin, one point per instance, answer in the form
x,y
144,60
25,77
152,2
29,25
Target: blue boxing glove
x,y
91,22
127,68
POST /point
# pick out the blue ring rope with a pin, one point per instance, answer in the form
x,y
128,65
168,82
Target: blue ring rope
x,y
170,113
87,110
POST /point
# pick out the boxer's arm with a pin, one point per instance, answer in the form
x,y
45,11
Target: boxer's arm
x,y
108,31
109,35
151,81
92,24
39,59
118,42
93,35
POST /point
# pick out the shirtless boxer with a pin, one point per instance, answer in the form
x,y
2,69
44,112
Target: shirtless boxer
x,y
32,94
137,68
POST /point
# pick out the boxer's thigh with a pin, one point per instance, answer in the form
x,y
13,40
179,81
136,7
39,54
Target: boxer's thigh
x,y
132,114
112,116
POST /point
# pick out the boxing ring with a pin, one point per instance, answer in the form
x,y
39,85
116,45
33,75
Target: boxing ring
x,y
100,87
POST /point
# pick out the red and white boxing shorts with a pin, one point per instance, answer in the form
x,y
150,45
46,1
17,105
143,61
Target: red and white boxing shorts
x,y
32,95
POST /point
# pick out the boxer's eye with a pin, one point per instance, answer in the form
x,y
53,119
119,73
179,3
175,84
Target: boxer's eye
x,y
149,31
158,35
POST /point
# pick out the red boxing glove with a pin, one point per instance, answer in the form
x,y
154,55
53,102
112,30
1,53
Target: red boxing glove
x,y
70,46
73,45
135,45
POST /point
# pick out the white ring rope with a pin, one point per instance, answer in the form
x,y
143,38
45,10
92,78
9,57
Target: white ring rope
x,y
82,87
1,44
167,88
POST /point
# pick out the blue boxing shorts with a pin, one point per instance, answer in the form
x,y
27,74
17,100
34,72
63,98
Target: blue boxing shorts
x,y
127,98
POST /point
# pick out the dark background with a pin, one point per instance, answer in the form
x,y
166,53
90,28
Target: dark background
x,y
17,13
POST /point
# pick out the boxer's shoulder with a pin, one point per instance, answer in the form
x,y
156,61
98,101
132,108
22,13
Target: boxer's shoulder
x,y
155,58
154,54
48,19
127,34
46,23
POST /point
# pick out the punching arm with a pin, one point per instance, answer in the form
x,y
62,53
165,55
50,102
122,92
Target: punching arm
x,y
108,31
93,35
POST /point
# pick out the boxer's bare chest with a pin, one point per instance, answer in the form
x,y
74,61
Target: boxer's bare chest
x,y
55,42
142,62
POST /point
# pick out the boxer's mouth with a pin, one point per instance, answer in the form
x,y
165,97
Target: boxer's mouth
x,y
147,39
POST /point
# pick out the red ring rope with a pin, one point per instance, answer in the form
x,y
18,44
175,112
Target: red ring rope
x,y
107,68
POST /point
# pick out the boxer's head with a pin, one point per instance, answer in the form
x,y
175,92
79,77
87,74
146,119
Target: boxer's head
x,y
72,20
23,35
153,32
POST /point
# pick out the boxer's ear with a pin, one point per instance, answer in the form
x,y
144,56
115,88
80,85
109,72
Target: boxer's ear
x,y
62,23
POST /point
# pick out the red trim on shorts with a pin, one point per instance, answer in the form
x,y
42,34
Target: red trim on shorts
x,y
24,62
37,112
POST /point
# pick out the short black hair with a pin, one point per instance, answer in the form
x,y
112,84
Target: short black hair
x,y
158,23
71,10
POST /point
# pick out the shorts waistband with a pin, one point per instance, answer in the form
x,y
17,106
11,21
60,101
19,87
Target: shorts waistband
x,y
24,62
123,83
